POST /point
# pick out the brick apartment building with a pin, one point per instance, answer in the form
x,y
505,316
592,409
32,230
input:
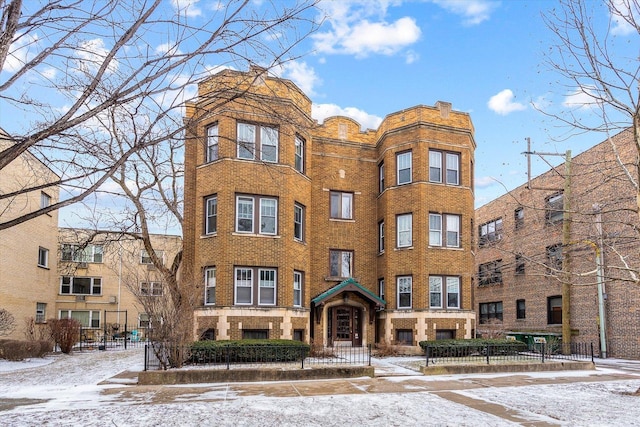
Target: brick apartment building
x,y
519,261
324,232
27,250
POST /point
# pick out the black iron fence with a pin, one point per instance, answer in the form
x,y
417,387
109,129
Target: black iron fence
x,y
499,353
112,337
161,356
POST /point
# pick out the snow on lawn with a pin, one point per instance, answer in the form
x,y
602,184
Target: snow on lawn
x,y
63,390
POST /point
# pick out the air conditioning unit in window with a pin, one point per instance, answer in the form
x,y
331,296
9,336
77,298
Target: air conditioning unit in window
x,y
113,299
82,265
80,298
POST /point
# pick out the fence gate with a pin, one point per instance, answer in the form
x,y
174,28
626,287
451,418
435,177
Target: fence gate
x,y
115,328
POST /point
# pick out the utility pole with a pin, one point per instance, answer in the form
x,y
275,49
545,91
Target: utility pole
x,y
566,235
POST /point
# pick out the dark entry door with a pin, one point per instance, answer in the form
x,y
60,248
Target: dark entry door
x,y
346,325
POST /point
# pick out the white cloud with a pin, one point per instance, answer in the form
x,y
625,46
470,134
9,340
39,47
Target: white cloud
x,y
473,11
485,181
22,50
168,49
621,27
366,120
503,103
584,98
301,74
380,37
187,7
91,54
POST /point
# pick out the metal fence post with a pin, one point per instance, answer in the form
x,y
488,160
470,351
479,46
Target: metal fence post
x,y
226,351
302,357
544,350
592,353
369,354
426,351
488,349
146,356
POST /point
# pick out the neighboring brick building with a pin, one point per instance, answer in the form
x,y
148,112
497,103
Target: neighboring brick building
x,y
324,232
27,250
102,283
520,251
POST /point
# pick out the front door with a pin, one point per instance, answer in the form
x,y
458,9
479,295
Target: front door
x,y
346,326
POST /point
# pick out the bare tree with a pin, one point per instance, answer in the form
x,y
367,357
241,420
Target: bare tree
x,y
598,71
7,322
67,65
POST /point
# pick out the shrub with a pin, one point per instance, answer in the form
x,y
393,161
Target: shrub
x,y
248,351
7,322
65,333
20,350
440,348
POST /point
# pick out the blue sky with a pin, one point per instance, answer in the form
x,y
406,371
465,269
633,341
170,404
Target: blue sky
x,y
375,57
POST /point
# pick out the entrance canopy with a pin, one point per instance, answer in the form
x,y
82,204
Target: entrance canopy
x,y
349,285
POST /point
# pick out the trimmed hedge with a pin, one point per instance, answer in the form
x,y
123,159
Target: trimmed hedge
x,y
243,351
19,350
480,346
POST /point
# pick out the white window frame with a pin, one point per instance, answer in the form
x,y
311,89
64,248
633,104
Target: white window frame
x,y
43,257
435,166
145,258
246,211
344,262
444,230
94,317
71,279
90,253
405,286
211,215
299,154
452,166
341,205
41,312
209,285
381,237
381,177
298,280
453,288
267,285
381,288
404,227
212,143
271,135
298,222
404,162
245,282
251,140
150,288
247,136
248,202
45,200
444,167
435,290
268,212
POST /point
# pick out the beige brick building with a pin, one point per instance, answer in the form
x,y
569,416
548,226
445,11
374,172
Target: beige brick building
x,y
326,232
520,253
27,250
101,283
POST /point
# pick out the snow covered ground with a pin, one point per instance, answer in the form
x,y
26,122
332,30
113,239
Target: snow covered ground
x,y
69,390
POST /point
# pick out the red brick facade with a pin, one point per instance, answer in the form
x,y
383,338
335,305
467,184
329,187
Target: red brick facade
x,y
333,250
513,261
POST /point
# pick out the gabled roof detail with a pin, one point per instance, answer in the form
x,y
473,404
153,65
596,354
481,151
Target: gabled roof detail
x,y
349,285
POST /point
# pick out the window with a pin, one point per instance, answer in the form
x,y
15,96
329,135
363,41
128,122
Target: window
x,y
451,289
87,253
451,167
211,220
267,287
518,217
341,205
45,200
341,263
254,139
246,293
255,334
490,311
490,231
212,143
554,257
299,154
88,319
145,258
381,177
381,237
404,228
297,288
143,320
208,335
244,286
298,334
554,206
151,288
403,162
246,214
43,257
445,334
490,273
210,286
298,222
449,235
520,309
405,284
404,336
381,288
41,312
554,310
80,285
520,263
